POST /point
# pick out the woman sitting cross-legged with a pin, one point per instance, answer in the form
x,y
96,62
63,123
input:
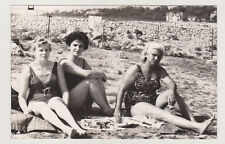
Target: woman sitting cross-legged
x,y
45,79
138,89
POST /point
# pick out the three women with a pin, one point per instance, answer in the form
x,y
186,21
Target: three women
x,y
80,86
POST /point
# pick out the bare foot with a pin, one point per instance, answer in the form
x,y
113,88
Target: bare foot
x,y
205,125
81,131
71,133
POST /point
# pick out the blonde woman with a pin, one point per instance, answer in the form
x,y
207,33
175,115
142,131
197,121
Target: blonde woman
x,y
46,83
138,89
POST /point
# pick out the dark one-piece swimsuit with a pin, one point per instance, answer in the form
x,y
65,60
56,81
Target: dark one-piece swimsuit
x,y
40,91
72,80
142,90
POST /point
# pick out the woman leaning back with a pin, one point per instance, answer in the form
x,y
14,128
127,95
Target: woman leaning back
x,y
85,85
43,78
138,89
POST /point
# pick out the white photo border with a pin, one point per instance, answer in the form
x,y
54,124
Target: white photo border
x,y
5,59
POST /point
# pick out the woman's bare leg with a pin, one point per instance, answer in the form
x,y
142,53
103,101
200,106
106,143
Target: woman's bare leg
x,y
179,105
102,87
98,94
15,84
63,112
152,111
79,95
43,109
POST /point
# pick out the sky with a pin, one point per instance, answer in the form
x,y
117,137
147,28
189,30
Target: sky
x,y
21,9
46,8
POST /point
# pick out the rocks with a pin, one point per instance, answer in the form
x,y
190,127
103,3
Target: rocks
x,y
59,51
30,35
115,45
16,50
126,34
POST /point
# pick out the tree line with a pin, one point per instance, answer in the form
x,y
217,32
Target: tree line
x,y
146,14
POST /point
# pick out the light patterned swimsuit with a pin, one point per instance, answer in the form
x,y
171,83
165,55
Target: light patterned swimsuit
x,y
142,90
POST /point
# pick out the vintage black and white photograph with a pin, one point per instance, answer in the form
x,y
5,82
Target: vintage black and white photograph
x,y
113,71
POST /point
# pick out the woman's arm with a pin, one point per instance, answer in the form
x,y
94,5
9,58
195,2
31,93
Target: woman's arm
x,y
170,84
128,80
62,84
94,73
86,65
76,70
24,85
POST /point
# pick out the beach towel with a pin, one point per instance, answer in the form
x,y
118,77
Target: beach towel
x,y
28,123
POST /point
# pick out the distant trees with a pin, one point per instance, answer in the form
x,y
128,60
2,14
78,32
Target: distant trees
x,y
200,12
136,13
141,13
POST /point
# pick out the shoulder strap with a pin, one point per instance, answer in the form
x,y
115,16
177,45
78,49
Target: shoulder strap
x,y
62,59
83,63
32,73
139,68
54,69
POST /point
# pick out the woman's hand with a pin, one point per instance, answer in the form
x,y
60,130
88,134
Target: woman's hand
x,y
97,75
128,80
171,86
65,98
117,114
171,98
28,111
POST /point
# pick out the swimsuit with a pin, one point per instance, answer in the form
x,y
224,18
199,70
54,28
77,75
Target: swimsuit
x,y
40,91
142,90
71,79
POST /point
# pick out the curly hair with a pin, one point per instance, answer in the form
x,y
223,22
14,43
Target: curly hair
x,y
77,35
40,41
151,46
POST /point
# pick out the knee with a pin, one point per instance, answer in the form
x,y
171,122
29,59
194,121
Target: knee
x,y
38,107
87,82
163,97
165,94
91,81
54,102
148,110
138,109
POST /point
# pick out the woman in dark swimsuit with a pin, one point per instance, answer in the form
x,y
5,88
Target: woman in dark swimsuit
x,y
85,85
46,83
139,87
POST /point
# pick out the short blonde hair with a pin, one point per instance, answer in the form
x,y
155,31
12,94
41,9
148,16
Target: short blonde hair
x,y
152,46
39,41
